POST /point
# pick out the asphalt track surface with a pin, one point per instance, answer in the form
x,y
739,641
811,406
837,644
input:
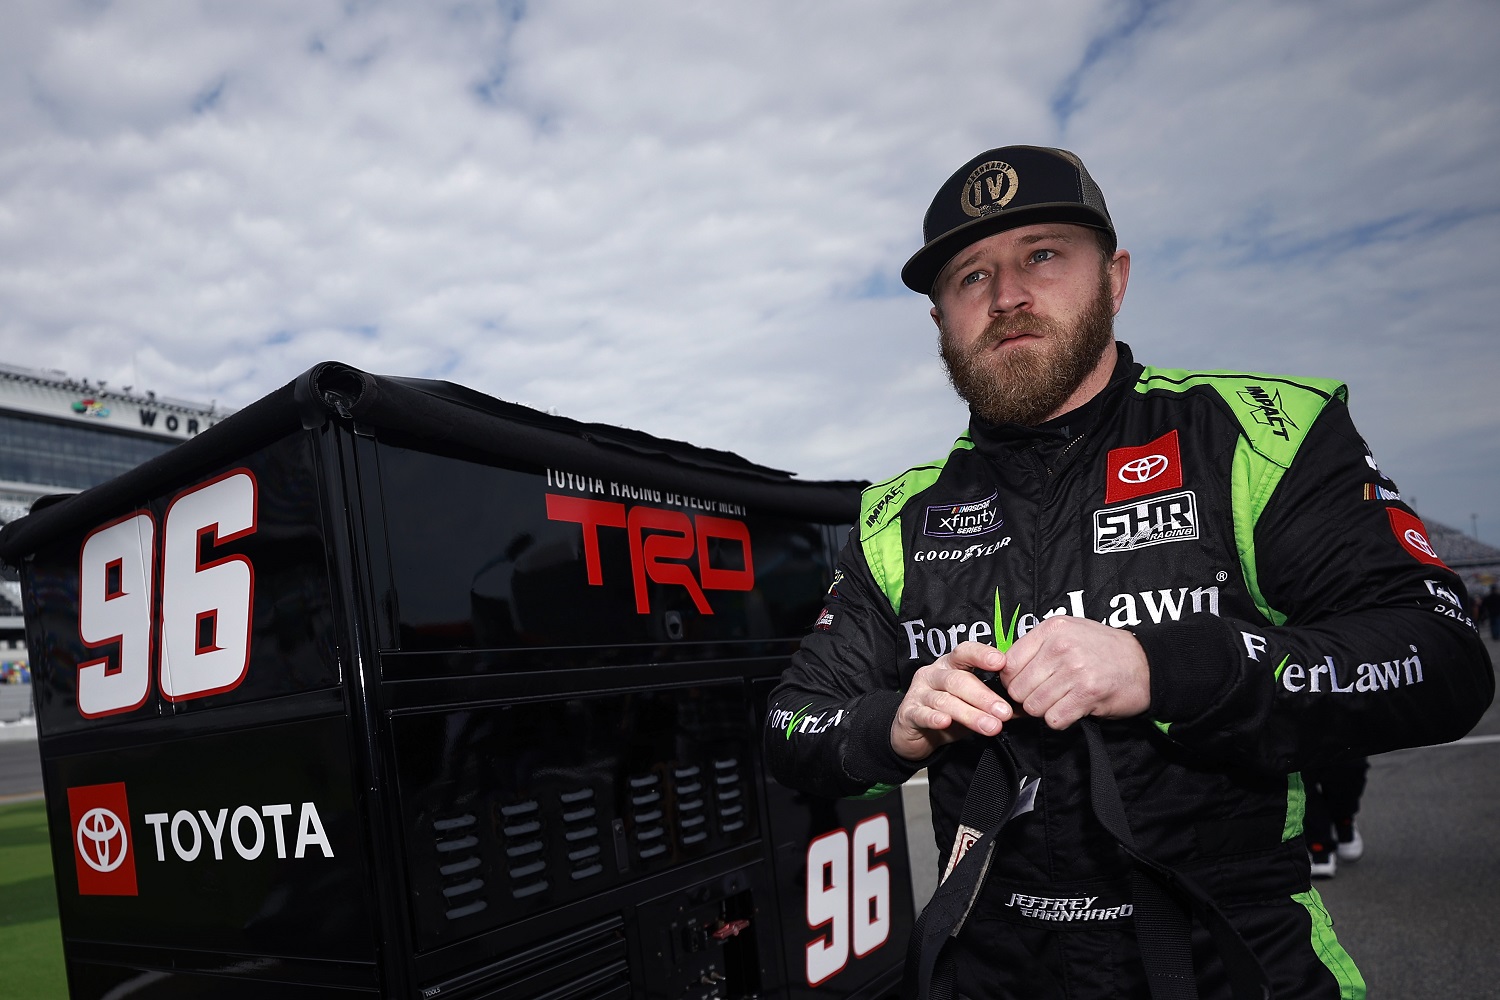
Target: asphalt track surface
x,y
1420,912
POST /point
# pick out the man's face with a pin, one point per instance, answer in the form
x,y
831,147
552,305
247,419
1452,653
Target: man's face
x,y
1025,317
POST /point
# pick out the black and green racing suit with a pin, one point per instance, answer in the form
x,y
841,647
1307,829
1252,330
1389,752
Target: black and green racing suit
x,y
1292,613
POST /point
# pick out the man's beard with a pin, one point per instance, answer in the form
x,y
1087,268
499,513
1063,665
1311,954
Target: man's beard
x,y
1028,383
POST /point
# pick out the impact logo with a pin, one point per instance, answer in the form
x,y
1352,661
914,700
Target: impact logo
x,y
1172,518
1149,468
963,520
989,188
103,851
1412,535
1268,410
880,505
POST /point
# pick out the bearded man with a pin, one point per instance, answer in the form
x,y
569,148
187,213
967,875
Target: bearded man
x,y
1113,624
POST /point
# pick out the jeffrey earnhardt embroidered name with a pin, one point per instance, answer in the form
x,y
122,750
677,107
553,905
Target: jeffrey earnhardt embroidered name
x,y
1068,908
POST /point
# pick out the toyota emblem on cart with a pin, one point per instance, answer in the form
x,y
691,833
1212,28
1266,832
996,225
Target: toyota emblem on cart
x,y
103,857
102,840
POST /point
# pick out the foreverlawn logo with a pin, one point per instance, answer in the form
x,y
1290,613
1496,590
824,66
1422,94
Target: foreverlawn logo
x,y
1366,678
801,723
1005,635
796,718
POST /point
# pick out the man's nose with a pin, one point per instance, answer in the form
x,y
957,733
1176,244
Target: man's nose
x,y
1009,291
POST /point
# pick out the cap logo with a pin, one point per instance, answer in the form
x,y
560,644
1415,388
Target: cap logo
x,y
989,188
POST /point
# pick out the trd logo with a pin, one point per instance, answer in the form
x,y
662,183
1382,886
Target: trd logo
x,y
672,535
102,848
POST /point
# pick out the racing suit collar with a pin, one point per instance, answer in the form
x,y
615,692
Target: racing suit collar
x,y
1062,428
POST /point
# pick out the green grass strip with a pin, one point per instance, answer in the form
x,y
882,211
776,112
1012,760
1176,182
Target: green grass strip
x,y
31,952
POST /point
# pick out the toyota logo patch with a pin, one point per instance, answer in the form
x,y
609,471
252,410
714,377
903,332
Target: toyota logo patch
x,y
1153,467
1412,534
1142,470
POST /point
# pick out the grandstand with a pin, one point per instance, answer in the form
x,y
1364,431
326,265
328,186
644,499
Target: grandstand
x,y
62,435
1476,562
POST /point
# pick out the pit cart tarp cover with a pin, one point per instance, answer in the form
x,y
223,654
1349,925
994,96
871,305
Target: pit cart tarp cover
x,y
446,418
386,687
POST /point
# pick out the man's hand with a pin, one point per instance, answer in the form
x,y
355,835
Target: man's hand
x,y
1067,668
945,701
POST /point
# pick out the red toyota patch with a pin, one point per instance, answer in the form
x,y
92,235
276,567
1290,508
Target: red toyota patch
x,y
102,848
1412,535
1149,468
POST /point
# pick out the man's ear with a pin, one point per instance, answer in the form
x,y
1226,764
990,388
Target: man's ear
x,y
937,317
1119,277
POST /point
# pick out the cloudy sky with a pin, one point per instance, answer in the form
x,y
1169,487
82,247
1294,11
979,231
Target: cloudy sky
x,y
689,217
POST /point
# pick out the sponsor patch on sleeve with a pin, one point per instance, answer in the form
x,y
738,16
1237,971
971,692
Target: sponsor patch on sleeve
x,y
1412,535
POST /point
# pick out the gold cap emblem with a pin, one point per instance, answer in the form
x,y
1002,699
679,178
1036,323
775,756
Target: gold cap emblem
x,y
989,188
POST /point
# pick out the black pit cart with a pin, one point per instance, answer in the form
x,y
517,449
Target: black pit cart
x,y
382,687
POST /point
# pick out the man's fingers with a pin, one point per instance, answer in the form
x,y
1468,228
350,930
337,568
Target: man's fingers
x,y
1068,668
1060,700
970,716
971,655
946,698
1024,670
943,709
973,700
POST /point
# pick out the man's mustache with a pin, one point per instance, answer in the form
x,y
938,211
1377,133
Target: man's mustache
x,y
1003,328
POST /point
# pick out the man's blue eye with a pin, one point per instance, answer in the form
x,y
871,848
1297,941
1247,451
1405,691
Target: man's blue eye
x,y
972,277
1042,255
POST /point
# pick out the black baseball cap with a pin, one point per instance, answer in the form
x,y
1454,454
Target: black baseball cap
x,y
1002,189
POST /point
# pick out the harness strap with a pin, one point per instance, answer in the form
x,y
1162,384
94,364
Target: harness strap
x,y
1162,896
992,795
1162,929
